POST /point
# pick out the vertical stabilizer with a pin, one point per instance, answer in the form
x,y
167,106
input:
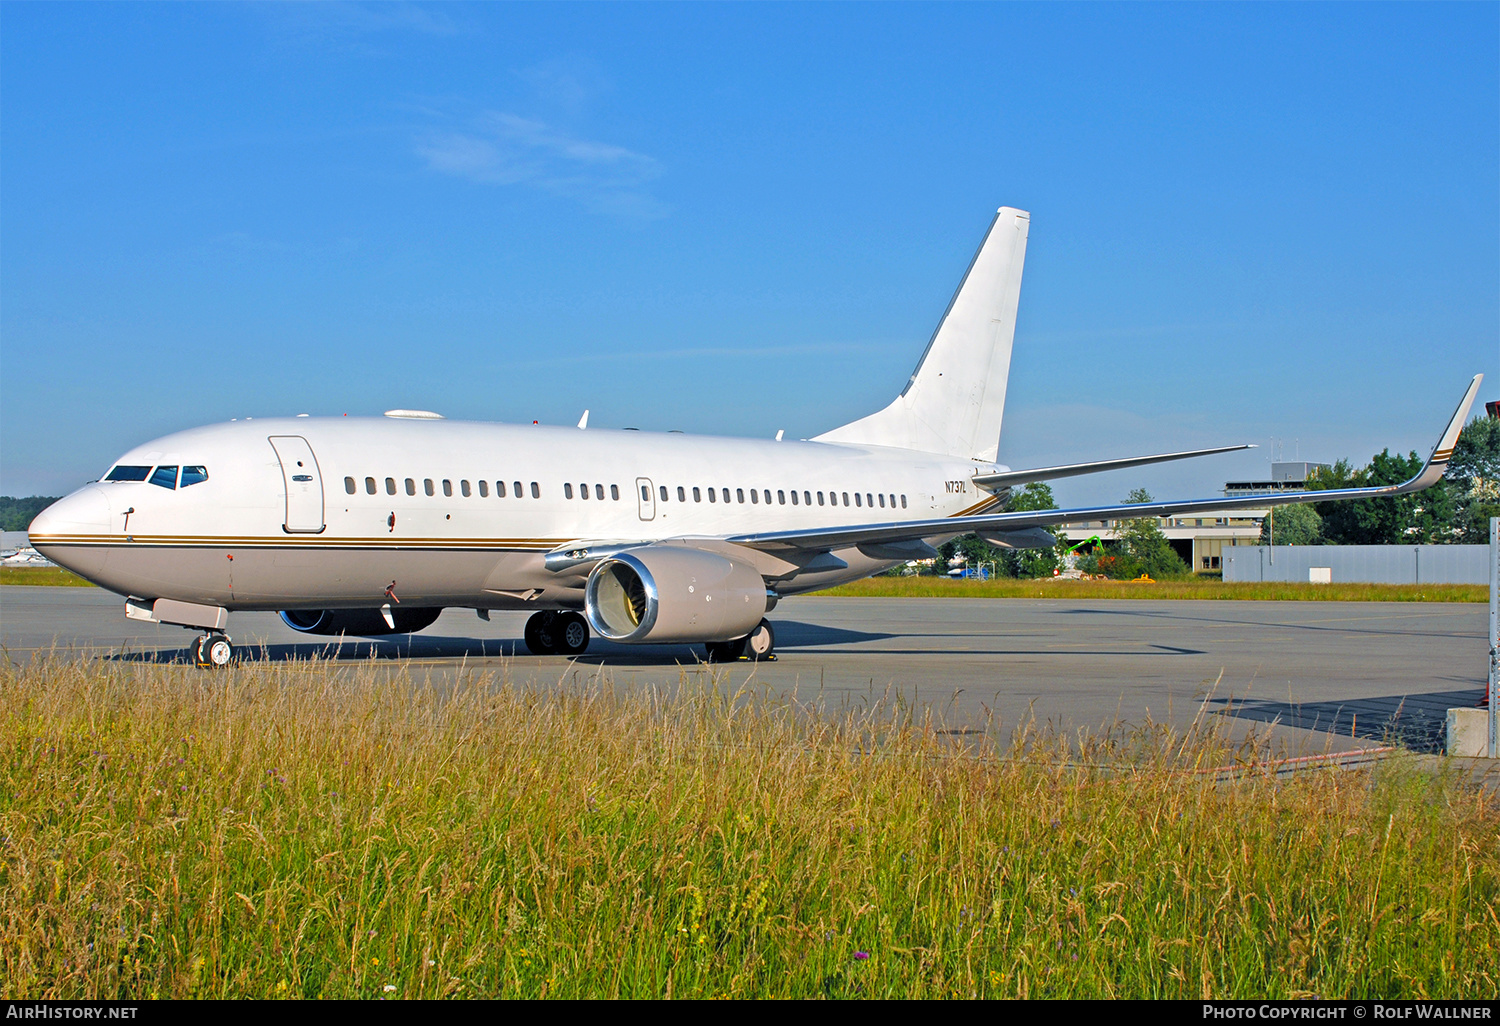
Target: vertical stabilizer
x,y
956,396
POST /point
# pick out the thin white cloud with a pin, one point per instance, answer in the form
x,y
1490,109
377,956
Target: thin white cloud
x,y
506,149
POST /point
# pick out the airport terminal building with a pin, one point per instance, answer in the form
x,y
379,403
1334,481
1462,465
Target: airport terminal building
x,y
1201,540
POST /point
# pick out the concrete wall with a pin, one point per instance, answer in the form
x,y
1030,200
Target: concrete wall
x,y
1373,564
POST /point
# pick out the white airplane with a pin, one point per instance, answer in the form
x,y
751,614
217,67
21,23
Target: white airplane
x,y
372,526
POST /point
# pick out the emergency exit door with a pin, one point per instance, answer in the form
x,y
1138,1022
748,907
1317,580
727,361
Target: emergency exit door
x,y
646,497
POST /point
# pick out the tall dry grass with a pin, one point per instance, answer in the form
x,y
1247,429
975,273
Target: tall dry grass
x,y
303,830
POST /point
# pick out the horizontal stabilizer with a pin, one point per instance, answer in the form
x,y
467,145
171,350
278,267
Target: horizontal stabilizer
x,y
1011,478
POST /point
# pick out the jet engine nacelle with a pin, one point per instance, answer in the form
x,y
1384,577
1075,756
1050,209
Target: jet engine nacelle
x,y
365,622
662,593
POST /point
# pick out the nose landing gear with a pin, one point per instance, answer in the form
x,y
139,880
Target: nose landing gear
x,y
551,632
213,651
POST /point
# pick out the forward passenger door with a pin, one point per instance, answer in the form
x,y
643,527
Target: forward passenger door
x,y
304,484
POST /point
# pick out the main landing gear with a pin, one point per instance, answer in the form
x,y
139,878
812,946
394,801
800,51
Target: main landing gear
x,y
758,646
557,632
213,651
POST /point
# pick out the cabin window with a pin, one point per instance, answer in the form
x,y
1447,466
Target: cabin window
x,y
754,495
583,491
820,498
903,502
192,476
681,495
711,496
856,499
164,477
369,486
411,487
726,495
794,496
463,486
780,497
390,486
128,474
567,491
519,493
599,492
645,493
663,493
767,494
882,502
614,492
536,490
447,487
740,492
869,500
349,485
484,489
807,498
893,502
499,489
427,486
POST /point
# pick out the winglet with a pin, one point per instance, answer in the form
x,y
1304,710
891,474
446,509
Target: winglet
x,y
1437,463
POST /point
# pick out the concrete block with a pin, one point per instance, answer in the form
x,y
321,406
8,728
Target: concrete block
x,y
1468,732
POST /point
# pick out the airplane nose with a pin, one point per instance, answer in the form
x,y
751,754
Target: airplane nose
x,y
63,530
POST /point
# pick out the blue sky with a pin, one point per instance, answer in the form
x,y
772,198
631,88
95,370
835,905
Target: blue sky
x,y
1248,221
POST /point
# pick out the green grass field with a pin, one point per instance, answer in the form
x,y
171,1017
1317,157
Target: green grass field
x,y
45,575
1208,588
302,830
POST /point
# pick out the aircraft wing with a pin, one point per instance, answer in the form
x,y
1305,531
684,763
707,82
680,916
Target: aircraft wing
x,y
912,531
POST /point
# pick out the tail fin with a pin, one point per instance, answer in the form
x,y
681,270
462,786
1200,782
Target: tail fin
x,y
956,396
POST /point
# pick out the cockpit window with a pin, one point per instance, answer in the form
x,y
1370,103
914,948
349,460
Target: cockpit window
x,y
165,477
124,473
192,476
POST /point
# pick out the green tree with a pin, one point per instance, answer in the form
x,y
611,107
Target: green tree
x,y
1147,546
1473,480
1423,517
1030,562
17,514
1292,525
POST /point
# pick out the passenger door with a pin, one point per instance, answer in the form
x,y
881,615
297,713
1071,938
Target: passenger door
x,y
304,484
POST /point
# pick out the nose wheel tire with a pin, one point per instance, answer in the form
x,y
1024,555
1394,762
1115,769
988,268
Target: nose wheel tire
x,y
213,651
557,633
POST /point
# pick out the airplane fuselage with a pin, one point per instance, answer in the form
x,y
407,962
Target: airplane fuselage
x,y
317,512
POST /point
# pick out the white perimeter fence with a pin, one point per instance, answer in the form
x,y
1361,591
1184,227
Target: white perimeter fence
x,y
1362,564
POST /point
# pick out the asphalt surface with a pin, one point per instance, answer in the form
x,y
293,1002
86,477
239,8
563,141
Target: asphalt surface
x,y
1320,675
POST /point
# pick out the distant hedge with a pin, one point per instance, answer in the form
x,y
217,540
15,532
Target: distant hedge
x,y
17,514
